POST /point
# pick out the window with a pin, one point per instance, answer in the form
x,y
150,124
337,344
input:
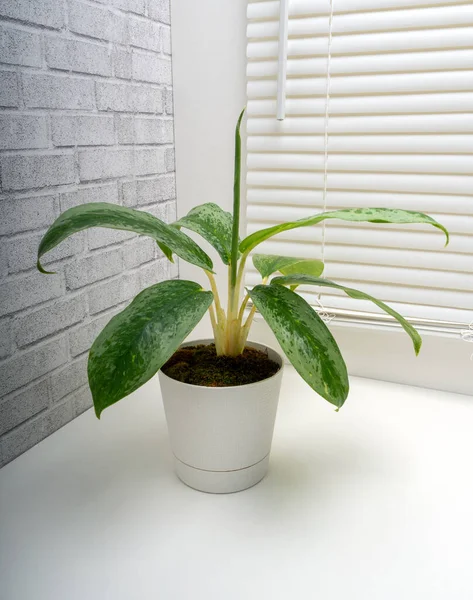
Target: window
x,y
379,112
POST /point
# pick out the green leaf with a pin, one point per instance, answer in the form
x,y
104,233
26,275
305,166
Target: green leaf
x,y
112,216
305,339
213,224
370,215
236,203
268,264
166,251
308,280
139,340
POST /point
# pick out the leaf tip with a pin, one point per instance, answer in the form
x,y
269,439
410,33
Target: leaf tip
x,y
447,234
42,270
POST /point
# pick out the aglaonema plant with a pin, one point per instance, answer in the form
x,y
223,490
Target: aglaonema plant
x,y
138,341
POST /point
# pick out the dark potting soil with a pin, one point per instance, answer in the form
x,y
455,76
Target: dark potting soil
x,y
200,365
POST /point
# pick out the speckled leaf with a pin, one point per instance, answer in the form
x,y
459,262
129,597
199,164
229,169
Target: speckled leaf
x,y
305,339
112,216
213,224
370,215
308,280
166,251
136,343
268,264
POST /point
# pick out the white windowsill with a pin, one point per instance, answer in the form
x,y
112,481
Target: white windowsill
x,y
370,503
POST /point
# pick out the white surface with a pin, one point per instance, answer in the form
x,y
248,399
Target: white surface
x,y
221,437
371,503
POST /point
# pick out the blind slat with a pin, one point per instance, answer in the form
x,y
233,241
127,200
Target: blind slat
x,y
372,163
397,41
312,200
377,182
384,63
305,242
371,105
366,85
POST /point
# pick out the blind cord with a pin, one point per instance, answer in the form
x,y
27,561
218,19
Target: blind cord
x,y
324,314
327,116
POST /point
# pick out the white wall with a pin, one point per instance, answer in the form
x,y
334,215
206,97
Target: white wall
x,y
209,62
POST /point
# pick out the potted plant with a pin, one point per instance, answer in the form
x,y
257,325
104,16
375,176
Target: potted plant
x,y
220,396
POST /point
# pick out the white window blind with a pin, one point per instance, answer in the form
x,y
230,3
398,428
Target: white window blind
x,y
379,112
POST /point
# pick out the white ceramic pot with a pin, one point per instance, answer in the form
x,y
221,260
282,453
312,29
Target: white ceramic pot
x,y
221,437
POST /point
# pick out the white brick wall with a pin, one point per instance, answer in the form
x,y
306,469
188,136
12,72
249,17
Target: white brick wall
x,y
86,116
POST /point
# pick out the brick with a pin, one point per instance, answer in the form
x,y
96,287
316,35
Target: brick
x,y
131,285
123,97
18,408
106,295
21,132
28,290
68,379
51,319
105,164
168,102
100,237
149,130
97,22
81,401
154,272
21,439
151,68
6,337
149,191
121,58
24,214
94,268
145,34
57,417
125,129
19,47
149,161
139,252
82,130
49,13
82,338
166,40
160,211
134,6
24,368
160,10
3,260
170,159
57,91
78,56
22,251
21,172
8,89
86,194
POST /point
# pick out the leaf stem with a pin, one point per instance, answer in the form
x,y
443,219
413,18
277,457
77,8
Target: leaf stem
x,y
245,329
213,285
219,340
